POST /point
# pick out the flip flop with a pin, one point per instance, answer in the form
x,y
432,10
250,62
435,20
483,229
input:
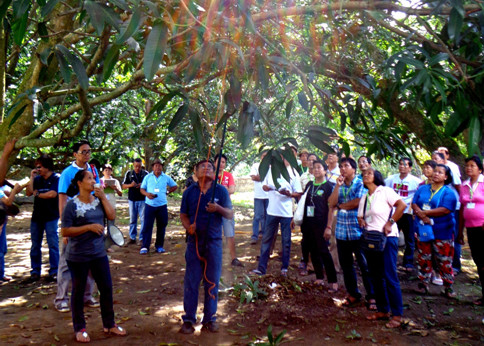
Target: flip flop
x,y
333,288
82,336
350,301
116,330
371,305
395,322
378,316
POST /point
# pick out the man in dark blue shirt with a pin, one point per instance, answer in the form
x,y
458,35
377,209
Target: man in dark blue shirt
x,y
203,221
43,185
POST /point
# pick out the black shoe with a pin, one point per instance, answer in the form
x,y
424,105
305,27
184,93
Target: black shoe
x,y
52,278
187,328
236,263
132,241
211,326
33,278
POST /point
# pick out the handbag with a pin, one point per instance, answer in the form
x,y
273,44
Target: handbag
x,y
425,232
374,241
299,213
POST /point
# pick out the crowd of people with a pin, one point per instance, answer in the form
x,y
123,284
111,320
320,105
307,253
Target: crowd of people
x,y
343,214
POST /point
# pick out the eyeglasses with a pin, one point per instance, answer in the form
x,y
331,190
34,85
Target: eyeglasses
x,y
85,152
38,167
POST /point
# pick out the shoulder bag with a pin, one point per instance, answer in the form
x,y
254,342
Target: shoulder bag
x,y
299,213
373,241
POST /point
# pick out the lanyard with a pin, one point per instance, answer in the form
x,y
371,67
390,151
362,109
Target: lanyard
x,y
472,189
432,193
369,199
347,191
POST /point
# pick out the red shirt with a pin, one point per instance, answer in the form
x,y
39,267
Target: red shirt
x,y
226,179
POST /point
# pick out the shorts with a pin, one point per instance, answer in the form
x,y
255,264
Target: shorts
x,y
229,227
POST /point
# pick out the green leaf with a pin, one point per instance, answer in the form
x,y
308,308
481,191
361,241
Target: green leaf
x,y
23,318
63,66
110,61
411,61
77,66
456,124
233,96
456,20
3,8
269,334
132,27
47,9
289,108
438,58
262,74
17,115
152,7
160,105
474,135
179,115
303,101
264,165
20,8
43,33
245,130
19,28
197,127
96,14
121,4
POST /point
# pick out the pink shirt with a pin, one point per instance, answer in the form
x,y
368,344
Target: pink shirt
x,y
473,217
378,208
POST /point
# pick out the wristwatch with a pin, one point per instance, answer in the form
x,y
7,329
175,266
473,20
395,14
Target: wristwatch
x,y
37,194
392,221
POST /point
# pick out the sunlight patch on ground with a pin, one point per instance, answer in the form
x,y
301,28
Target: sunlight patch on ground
x,y
17,301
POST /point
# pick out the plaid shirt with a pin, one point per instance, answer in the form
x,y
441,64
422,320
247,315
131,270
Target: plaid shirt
x,y
347,227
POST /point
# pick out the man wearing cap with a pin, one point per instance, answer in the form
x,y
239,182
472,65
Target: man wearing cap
x,y
132,181
155,186
333,169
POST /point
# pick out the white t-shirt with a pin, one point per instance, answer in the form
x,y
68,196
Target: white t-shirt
x,y
281,205
455,169
406,188
333,174
259,193
378,209
110,193
306,177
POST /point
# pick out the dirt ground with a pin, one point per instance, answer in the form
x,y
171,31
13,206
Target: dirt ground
x,y
148,294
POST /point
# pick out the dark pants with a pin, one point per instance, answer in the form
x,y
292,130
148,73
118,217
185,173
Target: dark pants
x,y
102,276
383,273
475,236
457,247
346,249
305,248
318,248
405,224
160,214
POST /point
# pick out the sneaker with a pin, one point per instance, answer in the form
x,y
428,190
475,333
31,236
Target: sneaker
x,y
187,328
160,250
256,272
6,278
91,303
143,251
437,280
62,307
131,241
211,326
236,263
284,272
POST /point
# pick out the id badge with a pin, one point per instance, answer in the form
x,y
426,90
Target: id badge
x,y
368,219
471,205
426,206
157,190
310,211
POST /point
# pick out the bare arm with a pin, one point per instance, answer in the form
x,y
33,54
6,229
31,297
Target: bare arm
x,y
75,231
11,197
185,220
7,150
231,189
62,203
460,236
353,204
108,208
30,187
333,198
147,194
216,208
172,189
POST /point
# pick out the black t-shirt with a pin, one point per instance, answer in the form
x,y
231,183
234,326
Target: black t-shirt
x,y
318,197
134,193
46,209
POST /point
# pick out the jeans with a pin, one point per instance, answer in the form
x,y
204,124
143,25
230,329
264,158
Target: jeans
x,y
346,249
383,273
136,208
3,249
405,224
260,215
160,214
36,234
475,237
457,247
272,225
211,250
99,268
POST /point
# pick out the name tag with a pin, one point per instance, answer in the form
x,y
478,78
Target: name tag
x,y
426,206
310,211
471,205
157,190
